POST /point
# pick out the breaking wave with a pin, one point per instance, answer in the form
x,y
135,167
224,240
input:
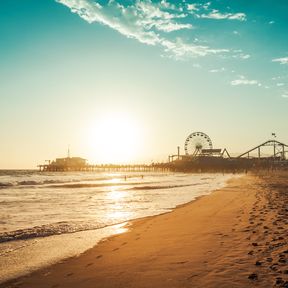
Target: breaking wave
x,y
49,230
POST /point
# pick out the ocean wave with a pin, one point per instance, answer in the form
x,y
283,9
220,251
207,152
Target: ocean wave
x,y
17,172
66,183
5,185
80,184
164,186
95,185
46,183
27,183
134,184
49,230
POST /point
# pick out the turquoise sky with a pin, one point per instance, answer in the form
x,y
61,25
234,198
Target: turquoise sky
x,y
168,67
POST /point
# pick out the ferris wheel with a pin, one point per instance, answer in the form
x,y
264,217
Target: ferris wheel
x,y
196,142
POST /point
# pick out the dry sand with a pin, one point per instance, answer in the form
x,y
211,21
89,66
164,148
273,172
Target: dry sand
x,y
235,237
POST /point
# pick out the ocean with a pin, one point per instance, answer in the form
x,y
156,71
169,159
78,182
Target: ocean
x,y
46,217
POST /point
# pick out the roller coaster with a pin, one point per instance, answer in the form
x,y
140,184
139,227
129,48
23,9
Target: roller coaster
x,y
200,155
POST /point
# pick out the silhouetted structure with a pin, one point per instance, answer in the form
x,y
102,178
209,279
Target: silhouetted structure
x,y
278,150
80,164
65,164
199,159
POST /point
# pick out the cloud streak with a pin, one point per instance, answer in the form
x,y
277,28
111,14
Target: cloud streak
x,y
147,22
176,28
282,61
217,15
243,81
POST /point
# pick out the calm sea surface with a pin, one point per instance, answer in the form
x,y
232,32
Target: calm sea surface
x,y
36,205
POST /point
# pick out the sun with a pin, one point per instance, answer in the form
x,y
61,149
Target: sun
x,y
114,138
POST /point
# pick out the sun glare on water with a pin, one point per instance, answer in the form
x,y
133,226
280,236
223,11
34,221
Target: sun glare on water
x,y
114,138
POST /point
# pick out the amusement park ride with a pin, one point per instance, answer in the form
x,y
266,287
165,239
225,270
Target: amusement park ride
x,y
198,145
279,151
199,156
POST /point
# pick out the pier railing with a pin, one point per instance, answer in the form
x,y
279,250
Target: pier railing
x,y
103,168
199,164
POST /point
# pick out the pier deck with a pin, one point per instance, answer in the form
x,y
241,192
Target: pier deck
x,y
104,168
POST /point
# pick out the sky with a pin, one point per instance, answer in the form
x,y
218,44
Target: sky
x,y
128,81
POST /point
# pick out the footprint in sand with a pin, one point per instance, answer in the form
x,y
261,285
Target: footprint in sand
x,y
89,264
69,274
258,263
280,281
99,256
282,260
253,276
180,262
274,267
192,276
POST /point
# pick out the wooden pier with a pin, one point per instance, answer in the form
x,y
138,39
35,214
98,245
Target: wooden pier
x,y
103,168
209,160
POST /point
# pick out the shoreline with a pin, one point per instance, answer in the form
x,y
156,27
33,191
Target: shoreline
x,y
41,252
213,251
48,247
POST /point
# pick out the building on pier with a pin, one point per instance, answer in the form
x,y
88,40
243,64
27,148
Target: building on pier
x,y
65,164
80,164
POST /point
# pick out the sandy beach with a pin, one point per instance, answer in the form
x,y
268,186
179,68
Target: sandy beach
x,y
144,144
235,237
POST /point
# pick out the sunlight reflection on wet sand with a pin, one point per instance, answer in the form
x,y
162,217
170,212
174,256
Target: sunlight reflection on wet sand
x,y
25,256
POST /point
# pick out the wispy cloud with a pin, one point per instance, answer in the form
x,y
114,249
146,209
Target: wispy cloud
x,y
244,56
216,14
205,11
175,27
242,80
192,7
148,22
285,94
240,55
180,49
151,15
283,60
217,70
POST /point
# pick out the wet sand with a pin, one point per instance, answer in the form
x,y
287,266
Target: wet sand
x,y
235,237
